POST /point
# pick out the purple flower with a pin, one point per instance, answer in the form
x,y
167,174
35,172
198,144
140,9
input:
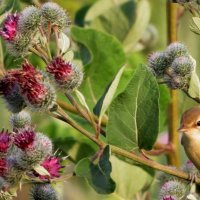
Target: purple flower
x,y
66,75
5,141
52,165
9,30
24,138
60,69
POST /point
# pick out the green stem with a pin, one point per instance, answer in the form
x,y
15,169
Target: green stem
x,y
60,114
173,157
33,50
121,152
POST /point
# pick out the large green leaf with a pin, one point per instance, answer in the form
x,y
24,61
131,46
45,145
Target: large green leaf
x,y
121,18
106,58
134,114
97,174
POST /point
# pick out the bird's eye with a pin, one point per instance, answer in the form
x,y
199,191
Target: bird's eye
x,y
198,123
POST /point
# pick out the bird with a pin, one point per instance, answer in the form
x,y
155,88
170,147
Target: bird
x,y
190,127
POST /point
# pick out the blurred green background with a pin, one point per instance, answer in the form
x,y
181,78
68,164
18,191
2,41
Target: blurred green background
x,y
72,143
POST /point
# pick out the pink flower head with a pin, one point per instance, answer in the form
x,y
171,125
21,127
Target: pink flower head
x,y
24,138
9,30
3,167
5,141
60,69
36,92
52,165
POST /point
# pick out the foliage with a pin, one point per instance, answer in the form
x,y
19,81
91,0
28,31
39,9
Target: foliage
x,y
92,77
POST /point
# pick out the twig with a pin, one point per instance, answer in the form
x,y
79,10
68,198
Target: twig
x,y
121,152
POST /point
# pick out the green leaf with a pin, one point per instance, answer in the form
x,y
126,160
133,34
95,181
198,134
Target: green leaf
x,y
194,84
105,101
81,99
138,28
107,57
97,174
121,19
134,114
195,27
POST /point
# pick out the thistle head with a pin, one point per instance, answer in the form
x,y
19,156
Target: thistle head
x,y
175,50
66,75
172,189
24,138
158,62
53,14
43,192
20,120
5,142
183,66
52,165
38,94
29,20
19,46
9,29
40,148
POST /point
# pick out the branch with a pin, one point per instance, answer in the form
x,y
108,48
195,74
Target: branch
x,y
121,152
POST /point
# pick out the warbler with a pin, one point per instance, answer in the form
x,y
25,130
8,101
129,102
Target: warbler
x,y
190,126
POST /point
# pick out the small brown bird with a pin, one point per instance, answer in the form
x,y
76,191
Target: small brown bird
x,y
190,126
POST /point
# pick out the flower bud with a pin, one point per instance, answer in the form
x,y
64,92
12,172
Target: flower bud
x,y
52,13
32,153
20,120
173,189
175,50
29,20
9,30
183,66
19,46
158,62
43,192
14,172
66,75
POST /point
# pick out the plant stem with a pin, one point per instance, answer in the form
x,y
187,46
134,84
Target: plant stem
x,y
72,109
60,114
121,152
173,157
55,29
33,50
